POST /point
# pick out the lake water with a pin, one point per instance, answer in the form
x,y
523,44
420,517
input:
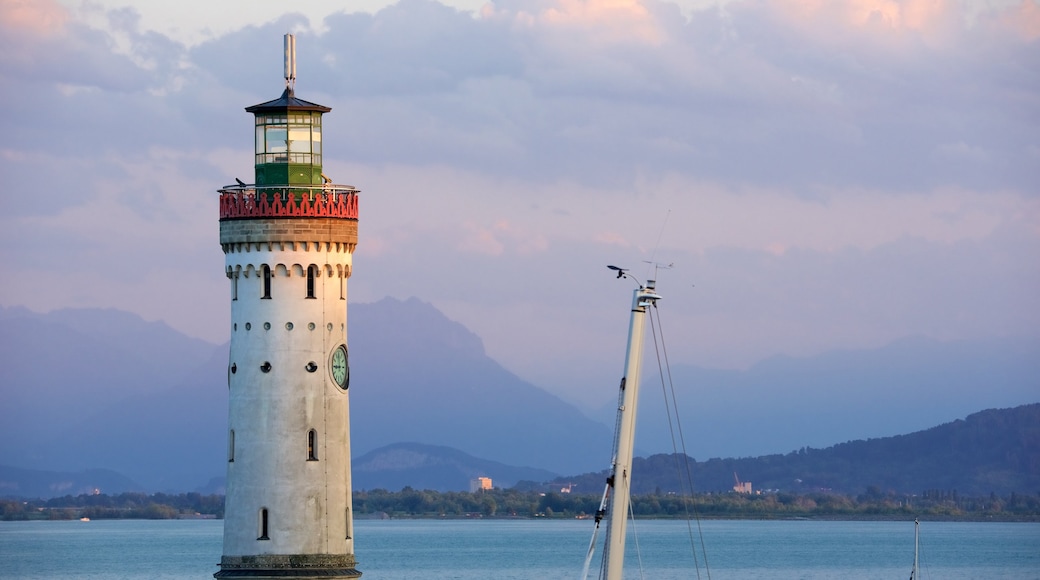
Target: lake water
x,y
544,549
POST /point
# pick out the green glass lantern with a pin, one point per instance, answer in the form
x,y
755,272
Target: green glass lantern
x,y
288,141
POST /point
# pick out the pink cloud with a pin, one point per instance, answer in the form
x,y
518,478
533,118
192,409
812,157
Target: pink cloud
x,y
911,14
33,17
938,23
501,237
1024,20
601,21
885,23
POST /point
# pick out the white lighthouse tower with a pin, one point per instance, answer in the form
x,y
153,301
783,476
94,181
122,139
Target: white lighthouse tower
x,y
288,241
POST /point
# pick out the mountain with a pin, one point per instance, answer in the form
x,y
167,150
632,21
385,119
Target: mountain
x,y
104,389
433,467
173,439
417,376
785,403
16,482
993,451
86,389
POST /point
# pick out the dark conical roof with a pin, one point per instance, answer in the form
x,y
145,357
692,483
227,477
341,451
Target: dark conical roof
x,y
287,102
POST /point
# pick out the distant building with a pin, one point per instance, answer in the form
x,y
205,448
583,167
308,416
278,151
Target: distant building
x,y
479,484
741,486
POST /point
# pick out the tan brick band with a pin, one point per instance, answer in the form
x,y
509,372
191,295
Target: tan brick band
x,y
316,230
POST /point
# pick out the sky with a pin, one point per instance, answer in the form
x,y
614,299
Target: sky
x,y
818,174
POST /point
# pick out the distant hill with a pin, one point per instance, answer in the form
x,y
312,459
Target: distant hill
x,y
993,451
433,467
104,389
16,482
89,389
785,403
84,389
418,376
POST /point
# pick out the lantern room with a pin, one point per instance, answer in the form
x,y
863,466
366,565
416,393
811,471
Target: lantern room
x,y
288,141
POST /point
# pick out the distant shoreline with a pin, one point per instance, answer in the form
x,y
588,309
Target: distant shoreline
x,y
1029,519
1034,519
514,504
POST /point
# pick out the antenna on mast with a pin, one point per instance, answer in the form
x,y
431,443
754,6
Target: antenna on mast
x,y
658,266
290,62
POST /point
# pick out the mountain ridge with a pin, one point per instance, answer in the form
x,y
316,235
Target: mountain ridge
x,y
784,403
993,451
989,451
106,389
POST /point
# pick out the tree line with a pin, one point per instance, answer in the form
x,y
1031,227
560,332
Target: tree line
x,y
130,505
498,503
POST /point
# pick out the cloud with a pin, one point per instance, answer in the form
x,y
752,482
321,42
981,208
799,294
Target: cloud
x,y
880,16
757,271
796,94
41,42
139,235
1024,20
33,17
822,174
603,22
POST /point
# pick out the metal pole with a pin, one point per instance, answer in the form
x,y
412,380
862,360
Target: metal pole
x,y
614,551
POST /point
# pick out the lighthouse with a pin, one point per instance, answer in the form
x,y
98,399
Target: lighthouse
x,y
288,241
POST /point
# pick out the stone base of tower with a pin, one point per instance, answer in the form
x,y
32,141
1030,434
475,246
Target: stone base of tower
x,y
293,567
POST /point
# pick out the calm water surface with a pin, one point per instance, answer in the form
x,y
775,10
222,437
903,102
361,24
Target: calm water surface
x,y
528,549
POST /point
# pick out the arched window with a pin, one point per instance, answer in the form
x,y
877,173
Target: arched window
x,y
234,286
231,447
263,525
312,445
350,520
267,281
312,273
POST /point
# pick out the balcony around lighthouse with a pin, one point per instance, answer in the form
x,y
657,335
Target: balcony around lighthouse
x,y
288,201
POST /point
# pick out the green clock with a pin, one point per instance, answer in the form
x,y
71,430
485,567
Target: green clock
x,y
339,367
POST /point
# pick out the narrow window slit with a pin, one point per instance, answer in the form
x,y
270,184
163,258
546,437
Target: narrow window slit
x,y
263,525
312,272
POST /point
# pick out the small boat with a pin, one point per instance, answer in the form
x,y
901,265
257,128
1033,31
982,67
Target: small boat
x,y
84,519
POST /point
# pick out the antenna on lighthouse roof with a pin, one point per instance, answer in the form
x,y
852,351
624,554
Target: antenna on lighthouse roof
x,y
290,61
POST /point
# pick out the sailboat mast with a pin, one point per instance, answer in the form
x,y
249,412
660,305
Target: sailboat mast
x,y
614,550
917,527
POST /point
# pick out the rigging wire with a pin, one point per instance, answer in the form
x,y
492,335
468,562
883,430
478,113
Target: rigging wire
x,y
653,255
606,494
635,538
922,571
611,481
595,533
685,482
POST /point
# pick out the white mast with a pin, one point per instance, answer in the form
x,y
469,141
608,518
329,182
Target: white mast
x,y
290,61
621,477
913,573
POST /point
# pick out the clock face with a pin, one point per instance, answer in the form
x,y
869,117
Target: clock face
x,y
339,367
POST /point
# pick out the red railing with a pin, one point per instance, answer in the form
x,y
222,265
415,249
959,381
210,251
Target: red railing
x,y
247,201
